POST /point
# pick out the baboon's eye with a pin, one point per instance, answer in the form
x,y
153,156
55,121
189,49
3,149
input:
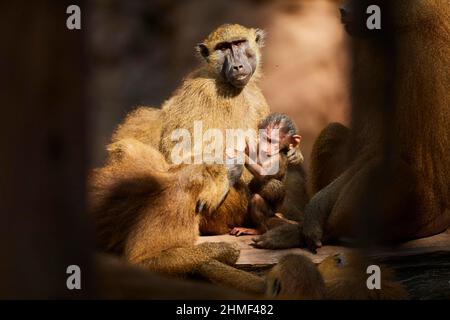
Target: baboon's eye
x,y
223,46
340,261
276,288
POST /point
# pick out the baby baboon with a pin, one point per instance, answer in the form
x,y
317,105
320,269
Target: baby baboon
x,y
222,94
150,213
267,188
387,179
341,276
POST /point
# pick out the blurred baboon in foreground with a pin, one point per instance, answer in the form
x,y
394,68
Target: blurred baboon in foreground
x,y
341,276
391,171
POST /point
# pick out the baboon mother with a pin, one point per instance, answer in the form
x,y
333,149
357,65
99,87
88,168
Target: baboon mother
x,y
391,171
222,94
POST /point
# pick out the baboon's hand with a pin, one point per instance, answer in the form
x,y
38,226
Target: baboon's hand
x,y
282,237
216,186
312,233
295,156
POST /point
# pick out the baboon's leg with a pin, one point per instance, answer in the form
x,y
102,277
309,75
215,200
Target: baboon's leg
x,y
211,261
328,156
182,261
317,212
282,237
377,205
259,211
222,274
232,212
395,207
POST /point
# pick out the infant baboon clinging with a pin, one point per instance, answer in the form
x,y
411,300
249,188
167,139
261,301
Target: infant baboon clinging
x,y
390,172
277,136
341,276
147,214
222,94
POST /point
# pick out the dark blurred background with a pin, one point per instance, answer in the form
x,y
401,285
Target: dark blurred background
x,y
141,50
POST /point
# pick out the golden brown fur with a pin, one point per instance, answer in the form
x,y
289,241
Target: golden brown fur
x,y
295,277
341,276
129,198
229,214
205,96
144,210
142,124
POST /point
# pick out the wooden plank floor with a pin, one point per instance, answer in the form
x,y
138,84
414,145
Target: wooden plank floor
x,y
262,258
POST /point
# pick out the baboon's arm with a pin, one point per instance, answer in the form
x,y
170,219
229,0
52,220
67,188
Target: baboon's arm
x,y
319,208
182,261
225,275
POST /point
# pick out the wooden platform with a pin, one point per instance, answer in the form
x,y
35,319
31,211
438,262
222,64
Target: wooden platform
x,y
423,265
262,258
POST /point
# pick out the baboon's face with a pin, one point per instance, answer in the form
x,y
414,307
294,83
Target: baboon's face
x,y
232,52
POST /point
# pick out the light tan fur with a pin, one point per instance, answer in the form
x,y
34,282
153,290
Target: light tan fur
x,y
143,124
146,213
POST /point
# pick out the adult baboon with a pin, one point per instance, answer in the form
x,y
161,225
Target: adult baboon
x,y
391,171
222,94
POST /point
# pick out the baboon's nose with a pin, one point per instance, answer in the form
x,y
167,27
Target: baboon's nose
x,y
239,67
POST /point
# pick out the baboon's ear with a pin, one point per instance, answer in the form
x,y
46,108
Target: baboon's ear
x,y
260,36
202,49
295,140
